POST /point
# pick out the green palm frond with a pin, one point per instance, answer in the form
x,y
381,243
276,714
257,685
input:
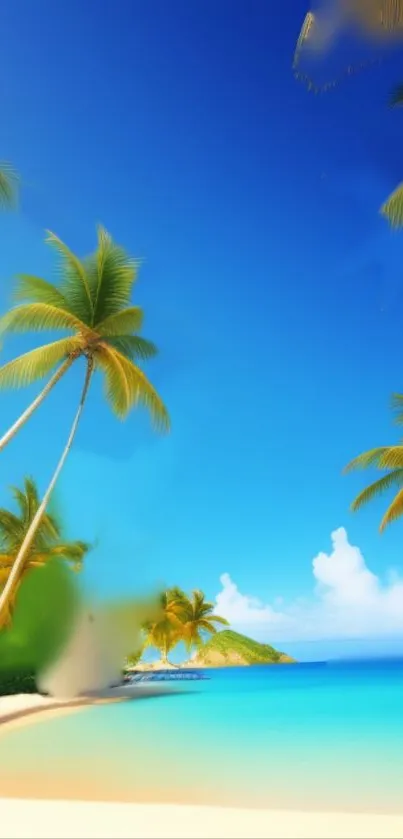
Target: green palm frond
x,y
27,500
9,183
397,407
38,317
367,459
392,209
121,323
396,96
35,364
111,274
116,386
11,528
127,386
134,347
75,285
73,551
394,511
206,625
143,393
392,458
31,289
216,619
378,488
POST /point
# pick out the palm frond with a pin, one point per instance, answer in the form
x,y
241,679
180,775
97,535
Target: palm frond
x,y
206,626
73,551
141,392
75,285
36,364
367,459
11,528
127,386
393,512
121,323
216,619
116,388
112,274
392,209
397,407
31,289
27,500
38,317
134,347
9,182
378,488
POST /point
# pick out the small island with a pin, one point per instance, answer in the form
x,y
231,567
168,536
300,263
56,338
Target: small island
x,y
225,649
231,649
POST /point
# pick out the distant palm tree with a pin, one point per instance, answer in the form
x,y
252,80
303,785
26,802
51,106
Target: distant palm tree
x,y
9,181
181,619
165,630
47,544
92,303
383,458
198,619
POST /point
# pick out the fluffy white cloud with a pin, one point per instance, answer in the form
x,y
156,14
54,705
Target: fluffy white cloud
x,y
348,601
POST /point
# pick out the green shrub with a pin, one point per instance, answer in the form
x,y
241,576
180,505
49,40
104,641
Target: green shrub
x,y
17,681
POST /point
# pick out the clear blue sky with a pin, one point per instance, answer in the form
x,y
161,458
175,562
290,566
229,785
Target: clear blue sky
x,y
270,283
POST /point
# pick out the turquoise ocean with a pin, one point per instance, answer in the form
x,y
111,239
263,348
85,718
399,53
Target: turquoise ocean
x,y
309,736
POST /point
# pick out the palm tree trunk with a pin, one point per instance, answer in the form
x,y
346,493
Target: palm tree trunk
x,y
35,404
19,563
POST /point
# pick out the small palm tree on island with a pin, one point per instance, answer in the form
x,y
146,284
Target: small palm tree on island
x,y
198,620
181,619
91,303
383,458
164,631
47,544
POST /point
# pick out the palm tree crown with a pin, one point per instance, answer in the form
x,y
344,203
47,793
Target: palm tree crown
x,y
383,458
48,542
198,619
92,304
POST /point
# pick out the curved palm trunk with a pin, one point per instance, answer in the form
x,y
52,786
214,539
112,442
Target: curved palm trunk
x,y
19,563
35,404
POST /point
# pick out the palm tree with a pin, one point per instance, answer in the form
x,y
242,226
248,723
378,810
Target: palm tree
x,y
165,630
198,620
8,186
383,458
47,544
92,304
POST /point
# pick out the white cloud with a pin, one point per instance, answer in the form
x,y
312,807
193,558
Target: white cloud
x,y
348,601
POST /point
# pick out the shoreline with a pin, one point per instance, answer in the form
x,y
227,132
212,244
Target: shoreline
x,y
22,709
90,820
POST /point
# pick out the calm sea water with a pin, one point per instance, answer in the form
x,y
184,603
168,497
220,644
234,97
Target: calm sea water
x,y
306,736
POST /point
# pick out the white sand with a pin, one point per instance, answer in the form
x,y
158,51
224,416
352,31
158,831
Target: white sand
x,y
64,820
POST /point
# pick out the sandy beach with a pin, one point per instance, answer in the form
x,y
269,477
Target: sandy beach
x,y
43,819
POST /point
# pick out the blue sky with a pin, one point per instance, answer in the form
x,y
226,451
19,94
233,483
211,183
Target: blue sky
x,y
270,283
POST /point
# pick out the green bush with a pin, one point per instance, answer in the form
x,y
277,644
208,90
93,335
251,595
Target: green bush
x,y
17,681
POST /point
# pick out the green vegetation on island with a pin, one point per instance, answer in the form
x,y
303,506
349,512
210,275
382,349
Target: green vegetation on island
x,y
228,648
